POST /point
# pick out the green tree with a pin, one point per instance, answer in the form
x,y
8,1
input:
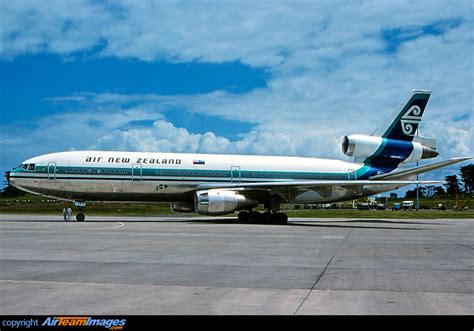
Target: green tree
x,y
439,191
452,184
467,177
410,193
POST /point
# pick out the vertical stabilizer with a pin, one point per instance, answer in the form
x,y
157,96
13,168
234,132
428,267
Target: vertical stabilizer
x,y
404,122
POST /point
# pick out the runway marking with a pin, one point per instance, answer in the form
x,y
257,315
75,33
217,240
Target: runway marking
x,y
119,226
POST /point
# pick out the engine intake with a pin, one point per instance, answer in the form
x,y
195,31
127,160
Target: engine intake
x,y
219,202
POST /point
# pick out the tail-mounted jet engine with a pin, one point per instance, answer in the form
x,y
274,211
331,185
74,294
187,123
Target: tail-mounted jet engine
x,y
361,147
220,202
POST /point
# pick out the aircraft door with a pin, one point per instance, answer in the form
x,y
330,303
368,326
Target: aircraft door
x,y
235,174
351,174
136,172
52,170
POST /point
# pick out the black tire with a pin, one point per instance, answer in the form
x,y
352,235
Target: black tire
x,y
256,217
281,218
267,217
80,217
244,216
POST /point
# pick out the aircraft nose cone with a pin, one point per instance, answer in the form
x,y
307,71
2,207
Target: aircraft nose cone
x,y
7,176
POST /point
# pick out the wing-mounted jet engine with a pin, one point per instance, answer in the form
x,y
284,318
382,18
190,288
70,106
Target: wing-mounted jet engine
x,y
220,202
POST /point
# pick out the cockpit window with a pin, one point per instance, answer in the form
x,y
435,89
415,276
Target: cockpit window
x,y
28,166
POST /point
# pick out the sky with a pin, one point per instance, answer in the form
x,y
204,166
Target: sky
x,y
273,78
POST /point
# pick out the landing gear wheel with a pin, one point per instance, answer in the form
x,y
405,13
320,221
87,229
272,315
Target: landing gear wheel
x,y
280,218
244,216
267,216
80,217
255,217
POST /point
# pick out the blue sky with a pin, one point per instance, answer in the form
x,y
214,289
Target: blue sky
x,y
29,80
235,77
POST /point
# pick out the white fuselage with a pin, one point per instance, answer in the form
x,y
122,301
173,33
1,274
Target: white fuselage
x,y
174,177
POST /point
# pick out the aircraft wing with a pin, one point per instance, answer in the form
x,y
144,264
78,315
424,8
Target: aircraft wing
x,y
308,184
286,189
418,170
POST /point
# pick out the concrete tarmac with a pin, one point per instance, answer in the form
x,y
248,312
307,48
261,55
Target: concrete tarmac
x,y
174,265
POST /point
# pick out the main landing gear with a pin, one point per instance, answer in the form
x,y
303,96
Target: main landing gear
x,y
264,218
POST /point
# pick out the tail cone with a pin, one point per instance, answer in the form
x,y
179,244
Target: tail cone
x,y
429,153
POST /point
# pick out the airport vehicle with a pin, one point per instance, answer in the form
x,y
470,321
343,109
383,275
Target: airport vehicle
x,y
222,184
396,206
363,206
381,206
408,204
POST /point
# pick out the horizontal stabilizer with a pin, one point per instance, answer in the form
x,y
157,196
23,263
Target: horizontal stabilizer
x,y
418,170
425,141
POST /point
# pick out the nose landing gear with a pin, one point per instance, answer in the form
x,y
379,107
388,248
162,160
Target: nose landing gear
x,y
80,217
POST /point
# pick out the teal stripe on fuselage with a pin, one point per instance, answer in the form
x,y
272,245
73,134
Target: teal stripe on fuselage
x,y
188,173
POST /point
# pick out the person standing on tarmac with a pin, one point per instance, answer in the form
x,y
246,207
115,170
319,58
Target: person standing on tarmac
x,y
64,214
69,213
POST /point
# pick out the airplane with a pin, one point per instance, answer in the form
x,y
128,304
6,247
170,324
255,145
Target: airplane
x,y
213,184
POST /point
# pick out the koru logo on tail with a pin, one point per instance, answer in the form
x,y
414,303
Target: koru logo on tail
x,y
410,120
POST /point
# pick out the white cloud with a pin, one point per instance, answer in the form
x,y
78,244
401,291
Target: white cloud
x,y
163,137
257,33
